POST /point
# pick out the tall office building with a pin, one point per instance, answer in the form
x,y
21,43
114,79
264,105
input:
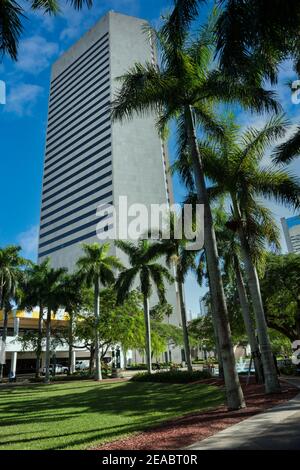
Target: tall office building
x,y
291,230
89,159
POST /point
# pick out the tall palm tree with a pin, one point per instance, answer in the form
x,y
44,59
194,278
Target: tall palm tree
x,y
96,267
183,88
261,229
12,14
11,264
235,166
177,255
34,292
143,259
53,300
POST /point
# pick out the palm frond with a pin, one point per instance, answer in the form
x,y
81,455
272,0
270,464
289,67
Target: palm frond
x,y
51,7
288,150
143,89
11,15
278,184
254,142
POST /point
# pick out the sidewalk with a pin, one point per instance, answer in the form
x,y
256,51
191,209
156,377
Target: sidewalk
x,y
275,429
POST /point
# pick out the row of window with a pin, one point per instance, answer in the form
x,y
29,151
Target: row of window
x,y
83,123
76,173
74,183
91,223
59,150
79,113
82,84
90,93
76,240
86,54
71,152
90,213
76,200
69,83
97,200
65,168
76,190
65,165
65,108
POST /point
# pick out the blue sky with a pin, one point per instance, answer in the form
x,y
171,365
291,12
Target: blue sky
x,y
23,118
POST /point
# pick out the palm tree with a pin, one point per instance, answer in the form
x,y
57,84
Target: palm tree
x,y
11,264
142,259
261,228
183,88
34,292
177,255
53,300
96,267
235,166
12,14
73,300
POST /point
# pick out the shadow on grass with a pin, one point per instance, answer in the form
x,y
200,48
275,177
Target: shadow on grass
x,y
114,409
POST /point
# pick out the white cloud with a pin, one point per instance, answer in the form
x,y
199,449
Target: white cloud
x,y
21,98
28,240
35,54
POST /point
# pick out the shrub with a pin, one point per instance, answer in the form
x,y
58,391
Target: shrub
x,y
288,369
137,367
172,376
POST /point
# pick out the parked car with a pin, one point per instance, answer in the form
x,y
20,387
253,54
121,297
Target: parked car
x,y
59,369
81,365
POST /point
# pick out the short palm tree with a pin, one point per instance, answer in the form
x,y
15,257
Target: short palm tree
x,y
11,264
177,255
235,167
97,268
12,13
34,292
53,300
183,89
143,258
73,299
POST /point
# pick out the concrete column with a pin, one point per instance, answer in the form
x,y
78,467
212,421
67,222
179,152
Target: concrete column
x,y
73,362
13,365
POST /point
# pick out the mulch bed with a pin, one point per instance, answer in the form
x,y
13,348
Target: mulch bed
x,y
182,432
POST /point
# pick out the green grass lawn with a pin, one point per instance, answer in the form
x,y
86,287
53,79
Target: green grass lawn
x,y
77,415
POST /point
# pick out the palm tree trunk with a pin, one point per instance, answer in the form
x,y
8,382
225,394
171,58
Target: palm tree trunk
x,y
247,320
271,379
98,372
39,344
48,340
235,398
70,334
220,362
186,341
4,336
148,334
